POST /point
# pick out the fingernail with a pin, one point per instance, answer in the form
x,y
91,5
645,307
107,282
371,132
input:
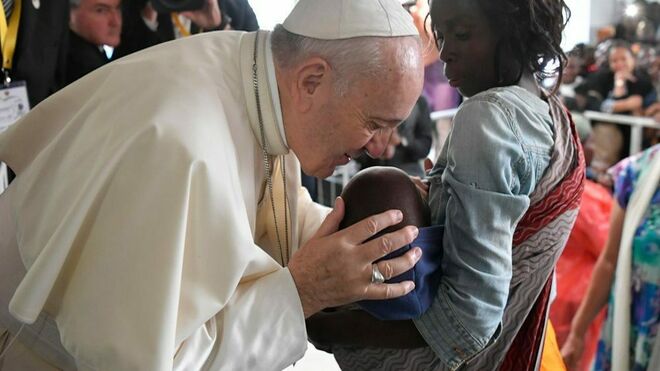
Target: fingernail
x,y
398,216
415,232
411,286
417,252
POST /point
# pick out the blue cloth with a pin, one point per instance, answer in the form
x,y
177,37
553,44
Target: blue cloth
x,y
425,274
480,188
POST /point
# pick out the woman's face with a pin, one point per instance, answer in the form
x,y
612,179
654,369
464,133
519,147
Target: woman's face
x,y
467,45
621,60
571,70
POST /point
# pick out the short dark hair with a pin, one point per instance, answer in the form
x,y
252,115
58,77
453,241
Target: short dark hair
x,y
620,44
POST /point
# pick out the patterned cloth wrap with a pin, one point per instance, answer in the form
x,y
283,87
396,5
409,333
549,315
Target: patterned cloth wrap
x,y
425,274
537,244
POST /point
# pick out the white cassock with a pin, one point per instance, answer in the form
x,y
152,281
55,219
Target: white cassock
x,y
136,212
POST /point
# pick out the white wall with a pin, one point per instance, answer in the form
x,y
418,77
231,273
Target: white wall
x,y
605,13
271,12
587,16
578,30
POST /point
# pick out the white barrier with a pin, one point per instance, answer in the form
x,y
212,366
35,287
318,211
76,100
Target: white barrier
x,y
636,124
4,177
444,114
343,173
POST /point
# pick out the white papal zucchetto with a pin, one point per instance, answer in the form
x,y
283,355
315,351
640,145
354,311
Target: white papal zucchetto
x,y
344,19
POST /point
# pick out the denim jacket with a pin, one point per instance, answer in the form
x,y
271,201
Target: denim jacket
x,y
497,151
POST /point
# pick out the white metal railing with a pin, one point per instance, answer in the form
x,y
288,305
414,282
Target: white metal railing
x,y
636,124
444,114
343,173
4,178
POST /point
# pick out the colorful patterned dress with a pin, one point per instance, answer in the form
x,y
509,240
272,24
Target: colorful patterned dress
x,y
645,309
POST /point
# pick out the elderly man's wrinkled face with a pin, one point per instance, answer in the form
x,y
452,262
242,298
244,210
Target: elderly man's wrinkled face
x,y
98,21
363,119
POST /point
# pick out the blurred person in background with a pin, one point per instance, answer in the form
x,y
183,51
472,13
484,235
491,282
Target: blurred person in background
x,y
570,79
622,89
41,47
629,337
409,145
439,95
93,24
145,27
35,68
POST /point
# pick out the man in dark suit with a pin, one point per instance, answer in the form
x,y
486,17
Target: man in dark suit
x,y
144,27
94,23
40,56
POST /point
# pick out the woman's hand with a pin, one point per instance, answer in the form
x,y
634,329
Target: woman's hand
x,y
422,186
428,165
624,75
572,351
620,88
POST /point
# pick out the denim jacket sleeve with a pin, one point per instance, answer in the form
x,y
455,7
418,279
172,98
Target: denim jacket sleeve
x,y
478,191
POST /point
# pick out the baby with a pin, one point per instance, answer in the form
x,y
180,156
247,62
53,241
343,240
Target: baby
x,y
371,323
375,190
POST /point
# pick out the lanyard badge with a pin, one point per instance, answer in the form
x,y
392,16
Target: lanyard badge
x,y
14,102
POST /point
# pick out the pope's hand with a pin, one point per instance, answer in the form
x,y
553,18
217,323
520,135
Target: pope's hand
x,y
334,267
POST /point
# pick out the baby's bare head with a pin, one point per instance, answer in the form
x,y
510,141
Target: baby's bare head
x,y
378,189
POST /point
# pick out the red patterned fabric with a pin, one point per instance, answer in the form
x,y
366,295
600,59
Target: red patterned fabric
x,y
526,347
565,197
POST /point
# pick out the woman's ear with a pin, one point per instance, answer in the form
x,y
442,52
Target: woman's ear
x,y
508,63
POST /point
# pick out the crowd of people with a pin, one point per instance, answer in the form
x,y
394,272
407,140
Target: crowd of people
x,y
166,226
58,42
618,76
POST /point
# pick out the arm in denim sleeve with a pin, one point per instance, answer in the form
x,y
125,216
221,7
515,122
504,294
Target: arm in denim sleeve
x,y
484,167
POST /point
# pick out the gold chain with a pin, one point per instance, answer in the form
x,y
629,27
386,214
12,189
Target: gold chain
x,y
284,253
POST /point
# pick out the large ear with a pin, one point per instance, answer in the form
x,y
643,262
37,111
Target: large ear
x,y
312,80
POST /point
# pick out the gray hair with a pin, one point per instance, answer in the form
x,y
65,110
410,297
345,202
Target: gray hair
x,y
74,3
352,59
